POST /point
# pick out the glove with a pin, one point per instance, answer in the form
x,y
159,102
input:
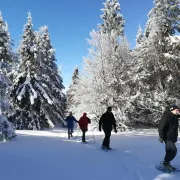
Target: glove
x,y
160,140
115,130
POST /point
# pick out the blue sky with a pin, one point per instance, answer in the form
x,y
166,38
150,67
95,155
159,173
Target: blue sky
x,y
69,23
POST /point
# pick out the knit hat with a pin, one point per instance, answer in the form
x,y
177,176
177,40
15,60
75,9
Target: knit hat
x,y
173,107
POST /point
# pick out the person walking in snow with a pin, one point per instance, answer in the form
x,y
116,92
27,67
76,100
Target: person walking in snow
x,y
168,133
70,124
83,124
107,121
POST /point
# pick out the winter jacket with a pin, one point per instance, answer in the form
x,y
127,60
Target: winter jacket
x,y
107,121
83,122
168,127
70,121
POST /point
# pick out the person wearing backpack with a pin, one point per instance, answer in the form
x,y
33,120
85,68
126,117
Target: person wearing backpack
x,y
168,133
83,124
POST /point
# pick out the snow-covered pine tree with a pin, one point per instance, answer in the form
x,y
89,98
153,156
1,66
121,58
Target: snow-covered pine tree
x,y
106,70
155,77
139,41
23,94
6,128
50,83
139,36
112,18
105,73
166,16
173,11
25,97
73,105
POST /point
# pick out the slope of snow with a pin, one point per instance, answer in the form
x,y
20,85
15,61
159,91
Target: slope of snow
x,y
49,155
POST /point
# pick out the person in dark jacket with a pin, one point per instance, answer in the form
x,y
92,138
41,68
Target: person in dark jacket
x,y
107,121
168,133
83,124
70,124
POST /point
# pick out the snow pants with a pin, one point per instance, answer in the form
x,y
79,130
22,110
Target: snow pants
x,y
70,131
106,141
171,151
83,135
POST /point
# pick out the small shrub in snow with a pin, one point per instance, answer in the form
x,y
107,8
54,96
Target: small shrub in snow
x,y
7,130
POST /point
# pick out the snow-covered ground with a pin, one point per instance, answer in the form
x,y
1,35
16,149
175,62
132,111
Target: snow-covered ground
x,y
49,155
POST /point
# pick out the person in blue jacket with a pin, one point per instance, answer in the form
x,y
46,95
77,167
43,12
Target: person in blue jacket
x,y
70,124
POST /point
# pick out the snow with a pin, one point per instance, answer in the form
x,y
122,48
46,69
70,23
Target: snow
x,y
174,39
49,155
21,93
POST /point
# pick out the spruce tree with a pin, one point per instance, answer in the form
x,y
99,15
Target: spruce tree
x,y
165,16
173,11
105,74
37,93
155,76
50,82
6,128
139,36
112,18
72,104
24,95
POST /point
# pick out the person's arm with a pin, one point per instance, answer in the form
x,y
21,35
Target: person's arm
x,y
89,121
100,122
162,125
75,120
114,123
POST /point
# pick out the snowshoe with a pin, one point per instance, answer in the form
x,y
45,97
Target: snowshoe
x,y
166,167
